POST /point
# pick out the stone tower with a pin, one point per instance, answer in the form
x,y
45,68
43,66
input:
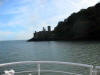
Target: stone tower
x,y
49,28
44,29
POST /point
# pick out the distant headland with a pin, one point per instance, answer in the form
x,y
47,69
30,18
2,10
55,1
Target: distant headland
x,y
83,25
44,35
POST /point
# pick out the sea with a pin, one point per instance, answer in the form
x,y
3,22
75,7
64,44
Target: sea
x,y
84,52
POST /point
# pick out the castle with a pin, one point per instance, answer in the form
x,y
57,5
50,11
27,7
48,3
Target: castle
x,y
44,34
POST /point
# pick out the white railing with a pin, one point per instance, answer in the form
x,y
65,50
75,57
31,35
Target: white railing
x,y
97,70
39,63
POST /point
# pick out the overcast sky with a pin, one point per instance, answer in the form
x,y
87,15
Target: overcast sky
x,y
20,18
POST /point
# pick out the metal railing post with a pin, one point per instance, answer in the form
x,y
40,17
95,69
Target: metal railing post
x,y
38,66
91,70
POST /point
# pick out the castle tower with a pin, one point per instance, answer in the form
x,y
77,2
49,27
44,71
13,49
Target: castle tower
x,y
35,34
44,29
49,28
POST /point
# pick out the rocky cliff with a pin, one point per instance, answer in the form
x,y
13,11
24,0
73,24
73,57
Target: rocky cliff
x,y
83,25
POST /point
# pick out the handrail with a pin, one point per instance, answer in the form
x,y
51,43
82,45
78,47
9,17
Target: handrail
x,y
46,62
49,62
97,67
47,71
96,70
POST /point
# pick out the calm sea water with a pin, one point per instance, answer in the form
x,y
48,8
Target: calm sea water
x,y
79,52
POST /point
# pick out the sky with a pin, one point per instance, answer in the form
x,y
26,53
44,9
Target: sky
x,y
20,18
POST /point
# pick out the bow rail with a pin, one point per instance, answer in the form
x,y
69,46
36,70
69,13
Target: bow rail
x,y
39,70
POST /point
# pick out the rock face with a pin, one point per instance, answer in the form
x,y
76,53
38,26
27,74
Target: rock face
x,y
84,25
